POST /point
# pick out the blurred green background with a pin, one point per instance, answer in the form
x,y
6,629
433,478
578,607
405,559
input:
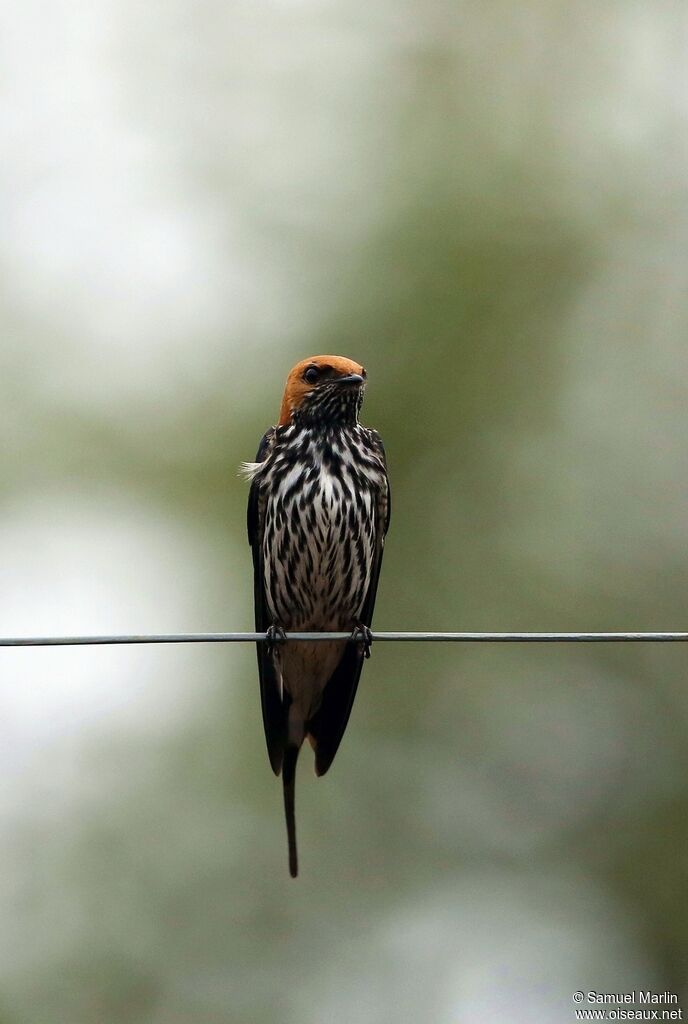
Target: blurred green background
x,y
485,204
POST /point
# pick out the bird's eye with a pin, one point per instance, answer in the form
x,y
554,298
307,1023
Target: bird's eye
x,y
311,374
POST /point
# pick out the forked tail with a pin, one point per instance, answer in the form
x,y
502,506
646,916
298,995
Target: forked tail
x,y
291,755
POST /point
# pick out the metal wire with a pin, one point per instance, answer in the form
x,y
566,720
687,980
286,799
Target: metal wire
x,y
238,638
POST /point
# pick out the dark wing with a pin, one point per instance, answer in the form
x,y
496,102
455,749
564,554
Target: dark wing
x,y
275,710
328,725
383,514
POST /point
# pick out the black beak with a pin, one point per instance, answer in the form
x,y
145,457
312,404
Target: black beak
x,y
350,378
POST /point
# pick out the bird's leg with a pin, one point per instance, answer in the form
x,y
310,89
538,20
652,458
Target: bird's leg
x,y
275,636
362,634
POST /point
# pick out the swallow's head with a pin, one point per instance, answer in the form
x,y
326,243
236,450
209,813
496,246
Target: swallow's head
x,y
323,389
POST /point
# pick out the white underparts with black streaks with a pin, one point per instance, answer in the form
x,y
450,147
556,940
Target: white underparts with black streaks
x,y
319,541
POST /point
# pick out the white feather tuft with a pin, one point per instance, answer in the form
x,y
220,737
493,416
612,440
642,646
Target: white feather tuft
x,y
248,470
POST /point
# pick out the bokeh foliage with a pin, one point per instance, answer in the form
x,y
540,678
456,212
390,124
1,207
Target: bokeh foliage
x,y
485,206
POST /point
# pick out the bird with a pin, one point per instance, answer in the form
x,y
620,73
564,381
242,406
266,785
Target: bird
x,y
318,513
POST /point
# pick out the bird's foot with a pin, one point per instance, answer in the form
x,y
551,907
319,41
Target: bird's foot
x,y
361,634
275,636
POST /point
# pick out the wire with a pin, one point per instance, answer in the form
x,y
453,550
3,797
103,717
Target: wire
x,y
238,638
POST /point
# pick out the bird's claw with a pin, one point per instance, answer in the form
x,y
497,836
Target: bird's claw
x,y
275,636
361,634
